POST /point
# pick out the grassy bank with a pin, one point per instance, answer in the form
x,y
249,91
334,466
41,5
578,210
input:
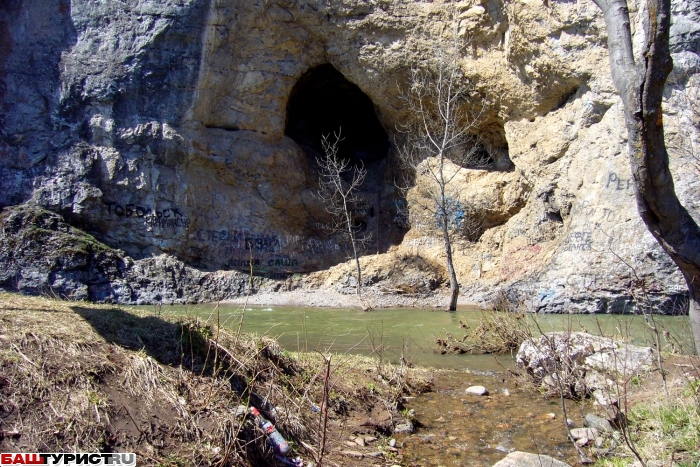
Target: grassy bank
x,y
175,390
664,431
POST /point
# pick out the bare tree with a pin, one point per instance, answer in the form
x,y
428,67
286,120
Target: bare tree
x,y
436,145
340,196
641,83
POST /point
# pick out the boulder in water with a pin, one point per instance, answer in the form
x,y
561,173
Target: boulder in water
x,y
525,459
477,391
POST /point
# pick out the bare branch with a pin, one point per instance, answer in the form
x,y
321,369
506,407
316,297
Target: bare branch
x,y
340,196
437,144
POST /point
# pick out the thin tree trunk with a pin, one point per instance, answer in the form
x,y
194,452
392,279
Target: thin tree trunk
x,y
641,88
694,313
323,422
351,234
359,275
339,197
357,260
454,285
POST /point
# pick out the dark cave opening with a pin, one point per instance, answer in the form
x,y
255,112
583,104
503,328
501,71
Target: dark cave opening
x,y
323,102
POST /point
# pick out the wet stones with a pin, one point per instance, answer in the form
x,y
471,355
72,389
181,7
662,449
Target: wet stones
x,y
477,391
599,423
525,459
584,435
579,433
598,433
405,427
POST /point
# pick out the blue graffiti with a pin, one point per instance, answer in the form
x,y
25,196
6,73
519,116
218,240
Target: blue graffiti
x,y
453,211
546,294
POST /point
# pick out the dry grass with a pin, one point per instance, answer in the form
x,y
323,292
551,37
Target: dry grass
x,y
498,332
84,377
665,431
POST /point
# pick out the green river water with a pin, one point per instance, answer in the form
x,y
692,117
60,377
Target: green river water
x,y
456,429
408,331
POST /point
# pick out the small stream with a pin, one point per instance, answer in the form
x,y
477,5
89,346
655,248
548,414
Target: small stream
x,y
461,429
457,429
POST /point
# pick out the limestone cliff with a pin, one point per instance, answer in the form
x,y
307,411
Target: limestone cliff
x,y
190,128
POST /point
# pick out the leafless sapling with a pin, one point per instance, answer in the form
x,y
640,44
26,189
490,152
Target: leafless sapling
x,y
339,196
436,144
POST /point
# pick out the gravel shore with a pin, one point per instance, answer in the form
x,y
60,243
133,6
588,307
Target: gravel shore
x,y
333,299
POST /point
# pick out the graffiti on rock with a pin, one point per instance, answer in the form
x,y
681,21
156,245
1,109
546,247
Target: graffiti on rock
x,y
578,241
169,218
618,184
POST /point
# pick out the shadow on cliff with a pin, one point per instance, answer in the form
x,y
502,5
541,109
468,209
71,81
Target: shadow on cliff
x,y
162,84
34,34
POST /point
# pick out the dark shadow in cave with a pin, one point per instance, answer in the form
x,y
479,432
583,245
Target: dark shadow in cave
x,y
321,102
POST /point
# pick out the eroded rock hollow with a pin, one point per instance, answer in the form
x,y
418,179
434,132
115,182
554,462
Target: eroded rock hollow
x,y
182,137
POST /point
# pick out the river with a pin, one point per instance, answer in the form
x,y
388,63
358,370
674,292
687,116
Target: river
x,y
457,429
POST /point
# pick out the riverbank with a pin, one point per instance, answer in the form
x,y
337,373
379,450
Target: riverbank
x,y
44,254
79,377
328,298
76,376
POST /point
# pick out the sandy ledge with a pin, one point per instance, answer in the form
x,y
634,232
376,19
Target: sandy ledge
x,y
325,298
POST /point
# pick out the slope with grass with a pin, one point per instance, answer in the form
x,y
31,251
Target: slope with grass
x,y
83,377
665,430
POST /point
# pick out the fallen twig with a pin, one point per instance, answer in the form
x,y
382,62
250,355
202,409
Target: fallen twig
x,y
24,356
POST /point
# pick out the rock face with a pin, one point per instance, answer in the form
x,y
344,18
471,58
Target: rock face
x,y
581,364
41,253
190,128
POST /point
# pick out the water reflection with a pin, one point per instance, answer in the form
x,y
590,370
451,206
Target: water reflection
x,y
408,332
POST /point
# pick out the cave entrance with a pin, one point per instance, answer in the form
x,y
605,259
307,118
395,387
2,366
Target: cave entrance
x,y
323,101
